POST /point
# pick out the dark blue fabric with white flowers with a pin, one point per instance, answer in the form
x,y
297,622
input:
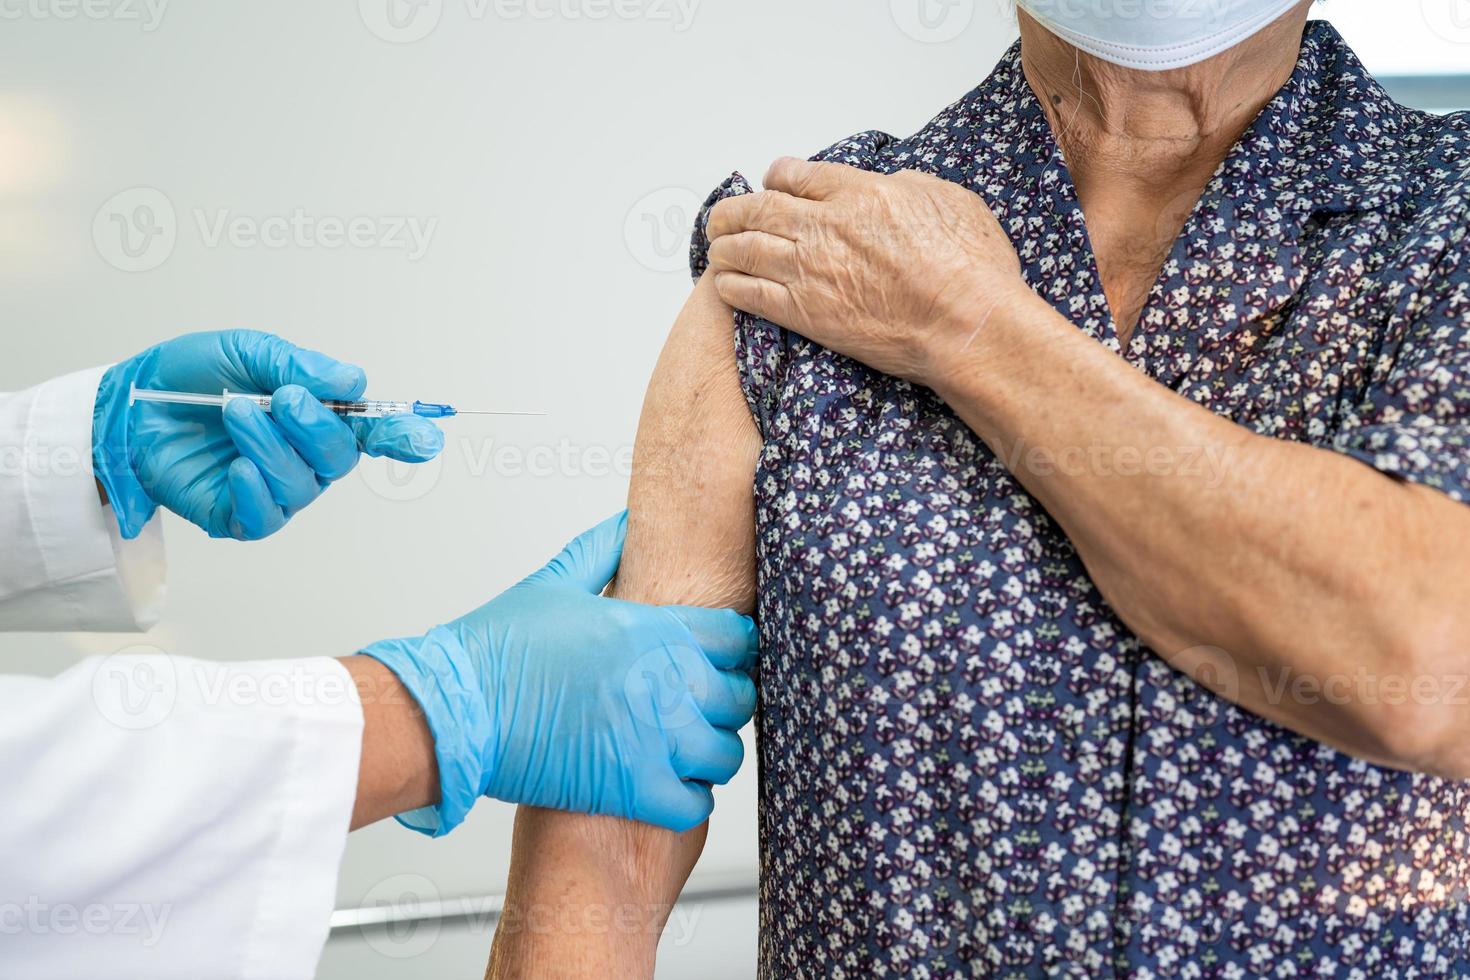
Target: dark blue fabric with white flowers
x,y
969,766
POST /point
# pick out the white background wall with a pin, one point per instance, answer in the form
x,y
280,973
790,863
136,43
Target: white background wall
x,y
554,158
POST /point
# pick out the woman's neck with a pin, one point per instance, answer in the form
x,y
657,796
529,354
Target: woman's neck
x,y
1159,128
1142,146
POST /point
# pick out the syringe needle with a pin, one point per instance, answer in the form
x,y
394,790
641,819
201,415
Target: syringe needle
x,y
520,414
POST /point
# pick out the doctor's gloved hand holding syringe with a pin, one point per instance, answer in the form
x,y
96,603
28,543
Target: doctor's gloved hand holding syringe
x,y
229,812
238,473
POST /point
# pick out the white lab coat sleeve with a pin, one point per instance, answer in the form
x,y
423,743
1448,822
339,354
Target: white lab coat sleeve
x,y
63,564
174,818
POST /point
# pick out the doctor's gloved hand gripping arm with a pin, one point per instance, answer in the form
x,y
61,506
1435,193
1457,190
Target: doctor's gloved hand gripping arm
x,y
554,696
201,808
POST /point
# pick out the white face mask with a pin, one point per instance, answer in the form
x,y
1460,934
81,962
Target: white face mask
x,y
1155,35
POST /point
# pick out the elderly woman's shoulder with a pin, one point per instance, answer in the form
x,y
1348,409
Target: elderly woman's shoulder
x,y
1430,157
1441,139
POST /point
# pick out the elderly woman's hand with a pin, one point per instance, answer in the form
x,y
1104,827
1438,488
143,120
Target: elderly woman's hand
x,y
897,271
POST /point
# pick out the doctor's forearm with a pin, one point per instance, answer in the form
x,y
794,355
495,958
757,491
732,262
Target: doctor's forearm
x,y
398,771
1294,562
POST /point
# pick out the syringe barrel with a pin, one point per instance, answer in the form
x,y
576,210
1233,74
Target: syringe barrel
x,y
365,409
369,408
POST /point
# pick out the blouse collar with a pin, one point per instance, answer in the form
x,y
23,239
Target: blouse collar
x,y
1329,140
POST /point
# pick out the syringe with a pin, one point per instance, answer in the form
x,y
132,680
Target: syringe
x,y
364,409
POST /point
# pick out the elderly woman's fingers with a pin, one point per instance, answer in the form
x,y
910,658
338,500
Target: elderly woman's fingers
x,y
813,181
772,212
755,253
760,297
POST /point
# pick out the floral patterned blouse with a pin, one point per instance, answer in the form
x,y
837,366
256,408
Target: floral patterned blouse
x,y
969,766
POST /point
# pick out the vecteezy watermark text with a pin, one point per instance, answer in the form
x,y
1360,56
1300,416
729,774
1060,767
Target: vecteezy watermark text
x,y
138,687
36,460
408,915
409,234
136,230
1209,464
562,459
147,14
35,917
407,21
1364,687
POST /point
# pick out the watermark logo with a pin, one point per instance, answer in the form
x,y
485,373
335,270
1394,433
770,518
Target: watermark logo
x,y
411,906
401,482
401,21
1449,19
1213,669
136,688
933,21
661,693
657,229
135,230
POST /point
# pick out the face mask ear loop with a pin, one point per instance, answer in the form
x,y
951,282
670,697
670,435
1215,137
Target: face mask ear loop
x,y
1066,127
1081,92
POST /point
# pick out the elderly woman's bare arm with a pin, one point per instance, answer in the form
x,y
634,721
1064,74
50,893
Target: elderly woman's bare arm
x,y
588,896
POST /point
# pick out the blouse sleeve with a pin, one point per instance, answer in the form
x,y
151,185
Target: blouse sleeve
x,y
762,349
1414,423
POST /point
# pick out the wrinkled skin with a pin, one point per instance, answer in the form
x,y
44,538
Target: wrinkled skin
x,y
896,271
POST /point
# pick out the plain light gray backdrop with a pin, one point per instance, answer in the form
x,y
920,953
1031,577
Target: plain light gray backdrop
x,y
481,201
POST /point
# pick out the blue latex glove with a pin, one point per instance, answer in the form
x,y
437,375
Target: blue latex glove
x,y
555,696
241,472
